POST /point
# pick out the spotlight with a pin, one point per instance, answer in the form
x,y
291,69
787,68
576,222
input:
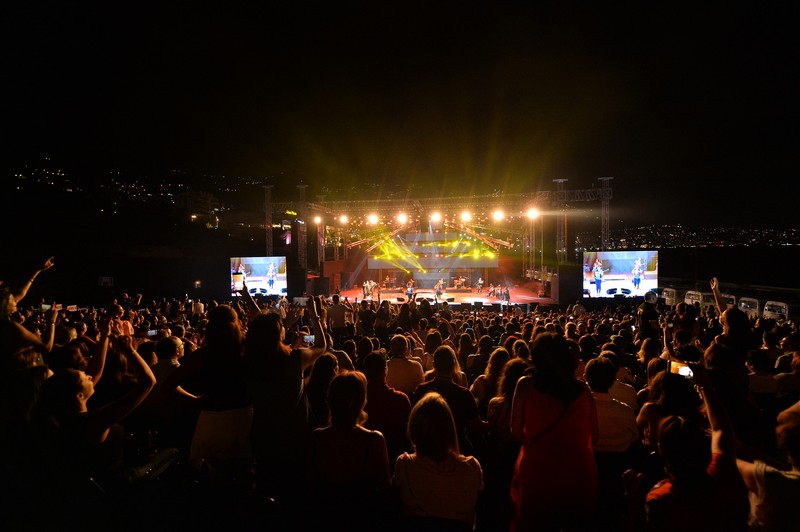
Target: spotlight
x,y
466,216
498,215
436,217
402,218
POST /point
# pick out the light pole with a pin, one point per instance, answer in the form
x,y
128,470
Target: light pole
x,y
533,213
320,244
268,218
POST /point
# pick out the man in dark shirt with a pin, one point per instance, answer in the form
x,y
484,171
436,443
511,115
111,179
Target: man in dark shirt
x,y
387,408
459,398
647,316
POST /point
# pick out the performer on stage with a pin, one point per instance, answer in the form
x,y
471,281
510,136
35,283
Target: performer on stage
x,y
410,288
491,290
479,285
439,285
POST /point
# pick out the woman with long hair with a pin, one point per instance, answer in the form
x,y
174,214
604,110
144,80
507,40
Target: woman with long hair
x,y
555,482
215,371
437,484
282,415
484,387
79,443
348,464
466,347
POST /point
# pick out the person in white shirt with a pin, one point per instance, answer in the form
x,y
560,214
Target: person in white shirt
x,y
617,440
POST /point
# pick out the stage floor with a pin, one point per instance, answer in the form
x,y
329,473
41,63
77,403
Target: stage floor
x,y
518,295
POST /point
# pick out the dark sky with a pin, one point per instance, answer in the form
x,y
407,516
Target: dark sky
x,y
691,109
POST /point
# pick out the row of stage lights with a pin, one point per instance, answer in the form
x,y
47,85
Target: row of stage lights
x,y
435,217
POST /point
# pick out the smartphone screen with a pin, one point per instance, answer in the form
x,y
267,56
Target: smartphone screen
x,y
681,369
308,338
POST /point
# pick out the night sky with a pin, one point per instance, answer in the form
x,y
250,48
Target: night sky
x,y
691,109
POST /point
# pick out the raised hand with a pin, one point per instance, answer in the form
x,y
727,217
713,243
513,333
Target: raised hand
x,y
47,264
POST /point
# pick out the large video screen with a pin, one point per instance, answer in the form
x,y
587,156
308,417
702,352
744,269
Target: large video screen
x,y
619,273
261,275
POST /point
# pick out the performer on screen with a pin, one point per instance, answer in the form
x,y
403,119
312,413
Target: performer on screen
x,y
598,276
271,276
637,273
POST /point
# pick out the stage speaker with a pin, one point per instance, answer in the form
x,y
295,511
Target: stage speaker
x,y
450,299
477,304
401,299
295,281
318,286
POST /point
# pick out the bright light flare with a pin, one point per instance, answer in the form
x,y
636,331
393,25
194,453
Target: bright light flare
x,y
402,218
466,216
498,215
372,219
317,220
343,218
436,217
533,213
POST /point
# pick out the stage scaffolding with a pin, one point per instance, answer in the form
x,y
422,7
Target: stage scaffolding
x,y
515,206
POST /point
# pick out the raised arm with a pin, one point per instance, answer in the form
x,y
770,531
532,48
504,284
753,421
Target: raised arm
x,y
100,420
46,265
722,437
320,338
721,304
250,304
97,363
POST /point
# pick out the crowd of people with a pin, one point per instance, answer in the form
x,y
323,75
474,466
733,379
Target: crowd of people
x,y
258,413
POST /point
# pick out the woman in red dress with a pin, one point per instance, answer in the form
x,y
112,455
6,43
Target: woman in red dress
x,y
553,417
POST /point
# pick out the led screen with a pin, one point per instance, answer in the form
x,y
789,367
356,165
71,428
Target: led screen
x,y
261,275
619,273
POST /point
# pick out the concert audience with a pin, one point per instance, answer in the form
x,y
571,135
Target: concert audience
x,y
257,414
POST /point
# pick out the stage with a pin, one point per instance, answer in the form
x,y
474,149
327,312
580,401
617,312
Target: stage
x,y
454,297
